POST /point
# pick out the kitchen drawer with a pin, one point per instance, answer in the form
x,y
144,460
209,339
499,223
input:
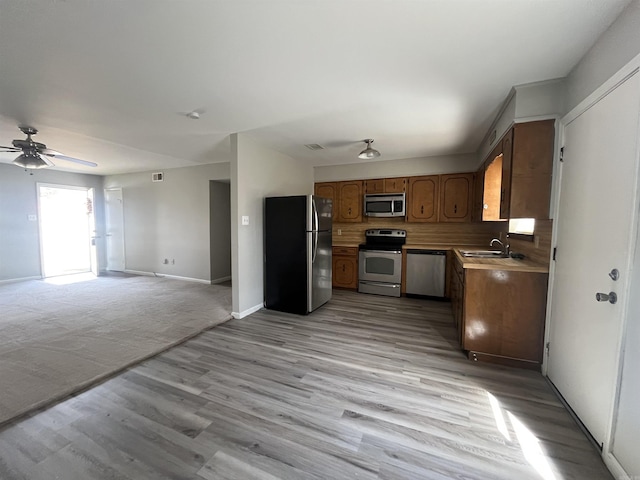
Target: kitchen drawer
x,y
345,250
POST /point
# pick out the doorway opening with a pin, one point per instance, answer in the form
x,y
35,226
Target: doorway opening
x,y
67,230
220,231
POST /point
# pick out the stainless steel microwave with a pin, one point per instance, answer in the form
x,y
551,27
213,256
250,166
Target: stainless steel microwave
x,y
384,205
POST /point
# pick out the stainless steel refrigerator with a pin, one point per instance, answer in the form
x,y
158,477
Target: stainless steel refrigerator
x,y
297,253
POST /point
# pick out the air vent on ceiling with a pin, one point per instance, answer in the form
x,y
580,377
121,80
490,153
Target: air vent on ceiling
x,y
157,177
314,146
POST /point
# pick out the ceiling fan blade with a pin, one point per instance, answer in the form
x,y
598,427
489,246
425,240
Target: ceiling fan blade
x,y
9,149
51,153
74,160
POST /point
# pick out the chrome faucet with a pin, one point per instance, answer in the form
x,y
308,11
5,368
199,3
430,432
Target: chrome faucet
x,y
503,247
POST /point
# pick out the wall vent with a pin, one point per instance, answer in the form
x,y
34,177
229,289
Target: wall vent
x,y
157,177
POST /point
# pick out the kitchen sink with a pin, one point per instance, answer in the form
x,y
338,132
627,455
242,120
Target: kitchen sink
x,y
483,253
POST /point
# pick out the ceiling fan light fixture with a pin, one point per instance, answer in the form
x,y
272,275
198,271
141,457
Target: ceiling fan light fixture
x,y
369,153
32,161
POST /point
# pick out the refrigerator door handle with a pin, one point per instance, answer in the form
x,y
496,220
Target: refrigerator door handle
x,y
316,220
315,246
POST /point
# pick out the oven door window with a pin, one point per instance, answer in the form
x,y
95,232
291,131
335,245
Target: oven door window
x,y
380,265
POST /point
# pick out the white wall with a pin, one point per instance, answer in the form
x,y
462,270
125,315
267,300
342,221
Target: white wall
x,y
501,124
19,237
168,219
614,49
397,168
257,172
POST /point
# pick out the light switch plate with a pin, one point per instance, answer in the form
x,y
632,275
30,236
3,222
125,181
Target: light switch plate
x,y
32,218
245,219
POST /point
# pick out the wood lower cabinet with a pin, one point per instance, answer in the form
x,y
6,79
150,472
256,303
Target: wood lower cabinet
x,y
345,267
423,199
350,201
457,295
502,316
456,197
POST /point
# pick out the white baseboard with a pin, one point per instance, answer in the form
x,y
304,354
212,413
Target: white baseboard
x,y
23,279
220,280
248,311
163,275
614,467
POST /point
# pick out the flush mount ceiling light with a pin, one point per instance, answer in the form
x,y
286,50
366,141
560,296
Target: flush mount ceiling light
x,y
195,114
369,153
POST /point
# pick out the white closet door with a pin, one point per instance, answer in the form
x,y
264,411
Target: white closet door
x,y
594,235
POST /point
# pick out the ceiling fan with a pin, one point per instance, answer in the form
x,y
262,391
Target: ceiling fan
x,y
34,154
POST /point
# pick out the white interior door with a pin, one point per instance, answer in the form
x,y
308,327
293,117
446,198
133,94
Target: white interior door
x,y
594,235
114,214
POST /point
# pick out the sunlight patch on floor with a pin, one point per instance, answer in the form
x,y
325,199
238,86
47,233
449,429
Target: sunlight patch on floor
x,y
529,443
68,279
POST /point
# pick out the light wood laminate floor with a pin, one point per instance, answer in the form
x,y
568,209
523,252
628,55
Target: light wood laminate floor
x,y
365,388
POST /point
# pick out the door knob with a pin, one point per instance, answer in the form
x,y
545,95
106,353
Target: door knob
x,y
610,297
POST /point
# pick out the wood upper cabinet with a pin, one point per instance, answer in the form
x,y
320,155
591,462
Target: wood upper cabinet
x,y
524,185
478,190
395,185
455,197
385,185
423,199
345,267
505,186
531,168
350,201
374,186
328,190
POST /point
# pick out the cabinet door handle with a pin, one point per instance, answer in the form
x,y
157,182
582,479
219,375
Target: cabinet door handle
x,y
343,267
421,208
455,208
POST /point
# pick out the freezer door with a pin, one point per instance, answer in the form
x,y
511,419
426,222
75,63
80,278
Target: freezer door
x,y
319,257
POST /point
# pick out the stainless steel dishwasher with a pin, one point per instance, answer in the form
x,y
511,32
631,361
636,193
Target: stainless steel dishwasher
x,y
426,272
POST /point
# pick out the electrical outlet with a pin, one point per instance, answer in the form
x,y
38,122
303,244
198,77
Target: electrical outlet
x,y
339,231
173,261
166,261
245,219
32,218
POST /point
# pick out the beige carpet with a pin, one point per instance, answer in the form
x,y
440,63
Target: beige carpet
x,y
57,339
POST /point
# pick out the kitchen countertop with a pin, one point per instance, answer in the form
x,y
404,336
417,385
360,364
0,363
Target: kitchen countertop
x,y
512,264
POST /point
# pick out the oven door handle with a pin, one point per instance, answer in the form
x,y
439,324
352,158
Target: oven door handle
x,y
381,251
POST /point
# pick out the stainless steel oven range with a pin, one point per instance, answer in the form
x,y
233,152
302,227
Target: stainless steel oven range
x,y
380,262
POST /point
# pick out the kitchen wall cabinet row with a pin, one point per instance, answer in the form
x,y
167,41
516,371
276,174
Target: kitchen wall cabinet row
x,y
515,179
431,198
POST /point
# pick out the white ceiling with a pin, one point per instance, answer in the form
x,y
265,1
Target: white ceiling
x,y
110,81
